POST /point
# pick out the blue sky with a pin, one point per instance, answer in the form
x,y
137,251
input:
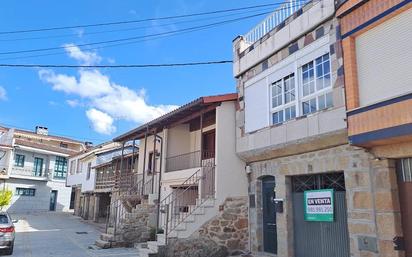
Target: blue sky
x,y
96,105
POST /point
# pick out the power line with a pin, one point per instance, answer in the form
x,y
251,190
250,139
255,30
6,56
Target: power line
x,y
129,29
132,38
137,21
115,66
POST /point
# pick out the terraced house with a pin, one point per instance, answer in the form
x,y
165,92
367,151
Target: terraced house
x,y
376,39
94,174
187,178
313,192
35,169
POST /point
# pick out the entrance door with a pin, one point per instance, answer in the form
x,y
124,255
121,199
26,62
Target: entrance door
x,y
404,170
316,238
53,200
269,215
208,148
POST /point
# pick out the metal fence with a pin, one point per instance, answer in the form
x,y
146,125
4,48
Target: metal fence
x,y
274,19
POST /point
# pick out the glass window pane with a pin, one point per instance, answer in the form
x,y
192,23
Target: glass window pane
x,y
321,101
329,100
277,117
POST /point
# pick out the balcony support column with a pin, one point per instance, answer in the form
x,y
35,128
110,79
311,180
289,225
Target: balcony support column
x,y
133,157
144,158
154,158
121,159
200,187
201,138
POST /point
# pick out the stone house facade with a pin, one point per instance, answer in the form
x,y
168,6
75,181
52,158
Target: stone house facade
x,y
376,38
292,134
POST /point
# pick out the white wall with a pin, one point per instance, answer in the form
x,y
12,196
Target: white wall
x,y
318,13
178,140
41,200
230,175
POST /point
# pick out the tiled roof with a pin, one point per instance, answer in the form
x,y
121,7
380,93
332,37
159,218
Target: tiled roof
x,y
45,147
179,113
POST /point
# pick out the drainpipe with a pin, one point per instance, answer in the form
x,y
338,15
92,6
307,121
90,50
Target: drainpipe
x,y
249,180
144,157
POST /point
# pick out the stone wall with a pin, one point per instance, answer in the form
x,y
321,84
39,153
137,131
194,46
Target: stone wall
x,y
230,227
371,197
137,225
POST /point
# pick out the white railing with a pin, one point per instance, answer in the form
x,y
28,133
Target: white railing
x,y
284,11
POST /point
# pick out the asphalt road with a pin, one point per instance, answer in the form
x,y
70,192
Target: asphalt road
x,y
59,235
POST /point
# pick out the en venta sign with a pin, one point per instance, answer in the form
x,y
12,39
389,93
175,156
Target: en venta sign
x,y
319,205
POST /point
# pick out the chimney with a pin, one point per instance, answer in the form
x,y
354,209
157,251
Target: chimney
x,y
88,144
42,130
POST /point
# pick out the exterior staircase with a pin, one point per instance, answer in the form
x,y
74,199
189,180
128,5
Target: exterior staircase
x,y
129,192
180,220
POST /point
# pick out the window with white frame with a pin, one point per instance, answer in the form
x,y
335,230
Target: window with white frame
x,y
316,85
283,93
315,91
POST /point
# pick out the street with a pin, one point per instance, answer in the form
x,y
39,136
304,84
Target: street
x,y
59,235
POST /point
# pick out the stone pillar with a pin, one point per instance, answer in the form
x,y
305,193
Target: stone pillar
x,y
387,208
96,208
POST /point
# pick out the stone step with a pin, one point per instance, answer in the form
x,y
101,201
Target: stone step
x,y
107,237
156,245
110,230
161,238
209,202
102,244
147,253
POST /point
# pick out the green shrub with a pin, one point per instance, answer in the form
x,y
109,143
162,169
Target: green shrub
x,y
5,197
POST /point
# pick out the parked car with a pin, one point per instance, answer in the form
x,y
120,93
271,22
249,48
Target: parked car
x,y
7,233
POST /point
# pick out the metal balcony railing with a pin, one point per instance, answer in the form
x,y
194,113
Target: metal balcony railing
x,y
188,160
20,171
186,199
284,11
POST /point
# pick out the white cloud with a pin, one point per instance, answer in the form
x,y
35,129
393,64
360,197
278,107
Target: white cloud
x,y
101,122
107,100
73,103
3,94
91,83
84,57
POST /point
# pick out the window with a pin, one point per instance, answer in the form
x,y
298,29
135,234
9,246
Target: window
x,y
25,191
19,160
150,163
63,145
283,100
4,219
316,85
38,166
78,170
60,167
89,169
315,91
72,167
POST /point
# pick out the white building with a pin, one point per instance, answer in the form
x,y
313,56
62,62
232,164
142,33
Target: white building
x,y
191,151
92,190
35,169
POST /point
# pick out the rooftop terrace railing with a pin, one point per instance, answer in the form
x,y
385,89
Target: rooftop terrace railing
x,y
284,11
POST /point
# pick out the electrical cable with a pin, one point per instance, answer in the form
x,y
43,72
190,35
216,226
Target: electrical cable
x,y
137,21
